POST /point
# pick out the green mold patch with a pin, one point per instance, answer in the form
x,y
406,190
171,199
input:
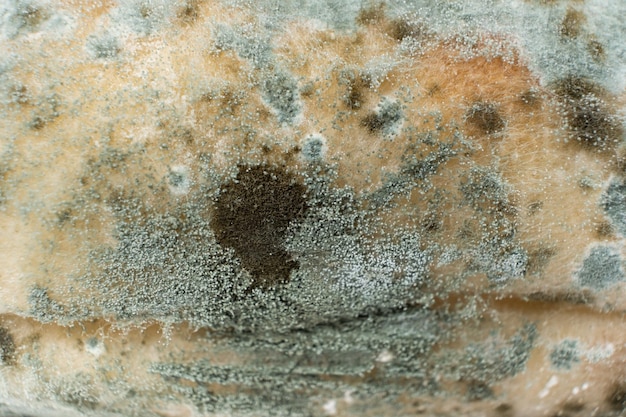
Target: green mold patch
x,y
565,355
288,370
479,366
614,204
601,269
485,117
280,90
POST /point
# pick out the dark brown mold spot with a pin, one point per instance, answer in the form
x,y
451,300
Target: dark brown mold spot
x,y
307,90
592,124
31,15
572,23
485,117
188,12
573,406
372,122
252,214
596,50
356,89
432,221
7,347
382,120
37,123
400,29
587,114
605,229
434,89
373,13
617,397
576,88
504,410
18,94
538,258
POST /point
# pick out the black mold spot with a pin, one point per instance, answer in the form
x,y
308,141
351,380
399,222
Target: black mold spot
x,y
601,269
617,397
485,117
571,26
588,116
564,355
383,120
7,347
252,215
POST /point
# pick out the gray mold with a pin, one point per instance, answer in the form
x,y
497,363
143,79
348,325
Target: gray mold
x,y
601,269
614,204
564,355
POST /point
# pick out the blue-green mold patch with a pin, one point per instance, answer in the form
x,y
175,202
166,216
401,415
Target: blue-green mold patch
x,y
602,268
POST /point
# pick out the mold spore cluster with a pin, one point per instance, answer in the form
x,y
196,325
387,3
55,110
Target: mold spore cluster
x,y
588,116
